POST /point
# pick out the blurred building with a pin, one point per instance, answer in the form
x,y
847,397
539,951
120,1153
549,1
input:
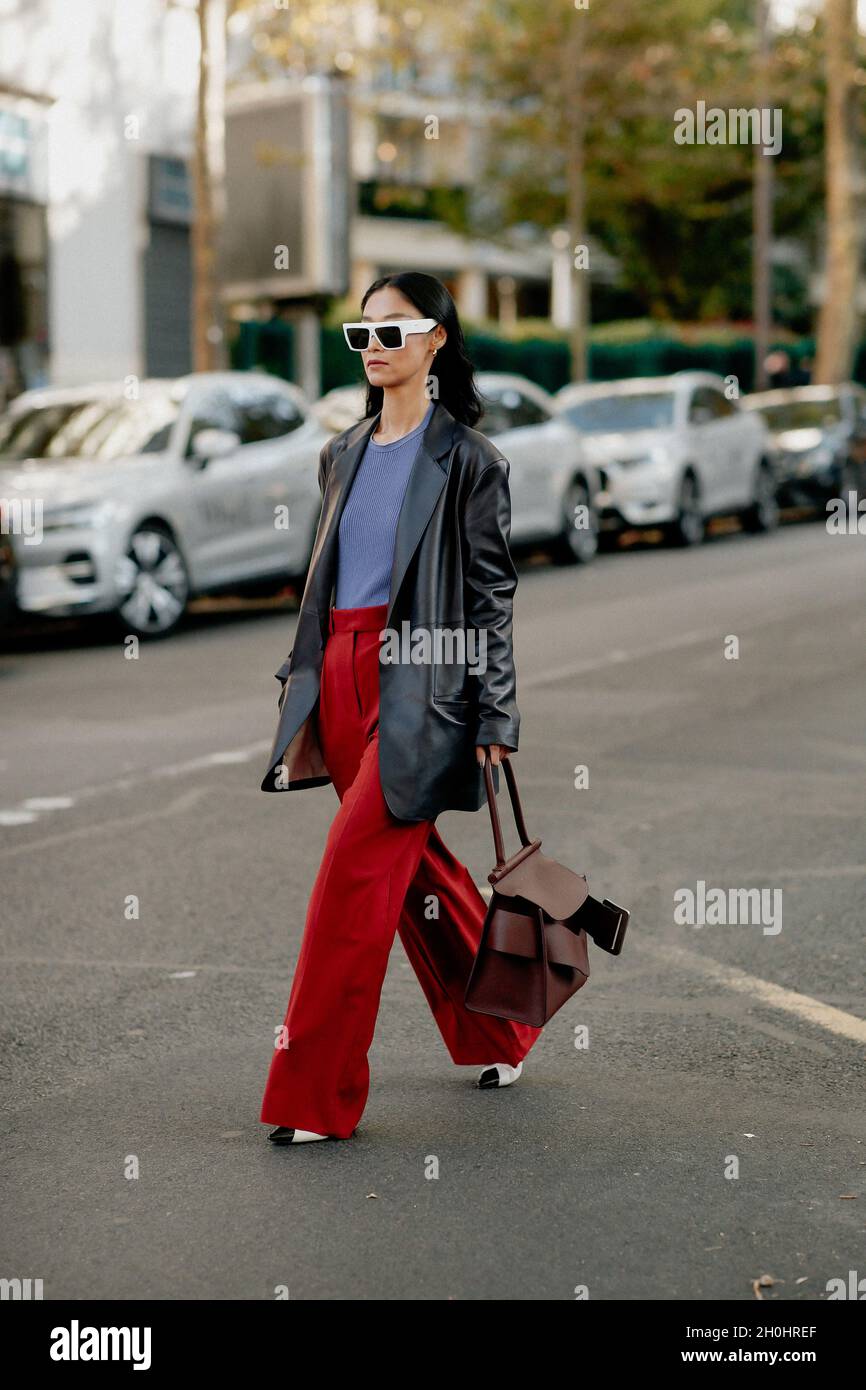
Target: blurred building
x,y
23,240
97,101
404,181
417,152
333,160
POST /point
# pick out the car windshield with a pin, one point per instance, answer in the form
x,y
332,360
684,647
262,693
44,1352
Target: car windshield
x,y
103,429
801,415
652,410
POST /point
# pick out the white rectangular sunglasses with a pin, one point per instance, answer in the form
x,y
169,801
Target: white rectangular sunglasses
x,y
390,334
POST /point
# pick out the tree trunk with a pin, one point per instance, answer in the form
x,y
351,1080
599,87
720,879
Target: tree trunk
x,y
762,215
576,199
206,329
838,320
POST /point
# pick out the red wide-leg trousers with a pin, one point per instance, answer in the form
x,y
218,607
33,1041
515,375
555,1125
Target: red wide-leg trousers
x,y
378,875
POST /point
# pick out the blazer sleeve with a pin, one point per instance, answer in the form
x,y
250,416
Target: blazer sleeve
x,y
282,674
490,580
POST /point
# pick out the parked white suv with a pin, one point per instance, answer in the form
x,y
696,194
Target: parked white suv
x,y
204,483
673,452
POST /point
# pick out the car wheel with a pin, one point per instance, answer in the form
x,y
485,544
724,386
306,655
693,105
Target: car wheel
x,y
7,580
152,582
689,527
763,512
576,544
850,485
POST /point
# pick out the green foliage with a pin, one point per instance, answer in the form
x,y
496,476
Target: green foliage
x,y
676,217
631,348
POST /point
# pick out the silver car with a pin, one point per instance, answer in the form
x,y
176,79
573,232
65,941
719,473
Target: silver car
x,y
818,436
674,451
554,486
132,505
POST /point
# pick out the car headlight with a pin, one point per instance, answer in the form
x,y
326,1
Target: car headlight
x,y
79,516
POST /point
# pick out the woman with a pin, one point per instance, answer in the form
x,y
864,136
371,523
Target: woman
x,y
400,681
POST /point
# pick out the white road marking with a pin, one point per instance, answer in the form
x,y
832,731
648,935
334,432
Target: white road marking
x,y
28,810
789,1001
803,1006
617,657
184,802
232,755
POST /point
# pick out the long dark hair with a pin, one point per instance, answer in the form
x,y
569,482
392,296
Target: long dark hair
x,y
454,373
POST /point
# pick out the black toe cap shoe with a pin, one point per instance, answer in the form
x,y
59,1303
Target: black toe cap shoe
x,y
281,1135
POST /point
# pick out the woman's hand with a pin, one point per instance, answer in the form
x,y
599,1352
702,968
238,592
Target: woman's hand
x,y
496,750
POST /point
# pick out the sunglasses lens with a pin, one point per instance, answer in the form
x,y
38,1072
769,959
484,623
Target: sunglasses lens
x,y
390,337
358,338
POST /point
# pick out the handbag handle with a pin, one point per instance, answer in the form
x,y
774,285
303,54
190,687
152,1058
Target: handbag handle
x,y
498,843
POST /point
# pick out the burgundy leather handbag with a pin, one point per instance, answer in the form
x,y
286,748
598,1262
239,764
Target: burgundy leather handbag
x,y
533,953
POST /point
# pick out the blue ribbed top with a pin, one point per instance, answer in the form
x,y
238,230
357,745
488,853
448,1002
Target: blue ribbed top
x,y
368,525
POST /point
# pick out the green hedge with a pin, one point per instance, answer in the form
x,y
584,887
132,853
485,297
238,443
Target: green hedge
x,y
544,360
267,346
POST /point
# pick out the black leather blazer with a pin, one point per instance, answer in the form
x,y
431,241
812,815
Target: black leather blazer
x,y
452,570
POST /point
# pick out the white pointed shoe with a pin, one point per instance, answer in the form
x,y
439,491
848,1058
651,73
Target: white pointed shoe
x,y
499,1074
283,1135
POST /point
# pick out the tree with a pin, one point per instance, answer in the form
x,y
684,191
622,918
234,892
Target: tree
x,y
207,172
838,320
677,218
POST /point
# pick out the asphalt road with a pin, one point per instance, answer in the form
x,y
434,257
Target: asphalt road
x,y
604,1166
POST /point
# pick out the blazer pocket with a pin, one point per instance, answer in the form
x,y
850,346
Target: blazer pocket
x,y
452,685
455,711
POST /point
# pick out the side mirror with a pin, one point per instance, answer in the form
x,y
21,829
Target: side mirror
x,y
213,444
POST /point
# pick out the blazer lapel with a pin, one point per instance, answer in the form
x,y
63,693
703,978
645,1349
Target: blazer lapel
x,y
323,566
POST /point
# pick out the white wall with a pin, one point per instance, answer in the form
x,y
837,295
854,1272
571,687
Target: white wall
x,y
123,74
